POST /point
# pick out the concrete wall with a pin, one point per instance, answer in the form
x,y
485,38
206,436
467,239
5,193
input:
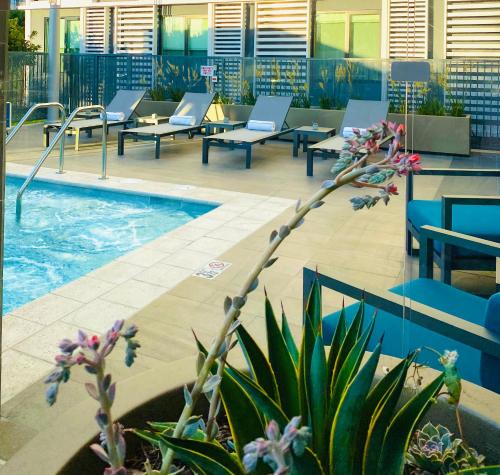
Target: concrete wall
x,y
348,5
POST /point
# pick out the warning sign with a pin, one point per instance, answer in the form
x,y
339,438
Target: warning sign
x,y
212,269
208,70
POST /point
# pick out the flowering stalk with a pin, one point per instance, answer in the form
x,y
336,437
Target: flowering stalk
x,y
348,169
92,355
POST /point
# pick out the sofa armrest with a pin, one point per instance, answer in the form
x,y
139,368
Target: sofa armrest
x,y
471,334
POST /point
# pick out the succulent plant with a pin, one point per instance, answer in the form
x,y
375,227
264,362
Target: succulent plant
x,y
434,450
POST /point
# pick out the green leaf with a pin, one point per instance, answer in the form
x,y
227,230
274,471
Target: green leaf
x,y
349,341
318,396
349,368
307,464
377,412
168,428
306,349
313,307
343,443
491,470
259,365
282,365
337,339
243,417
400,430
262,401
289,340
208,456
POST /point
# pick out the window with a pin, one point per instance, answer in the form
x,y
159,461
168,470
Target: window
x,y
182,36
347,35
69,35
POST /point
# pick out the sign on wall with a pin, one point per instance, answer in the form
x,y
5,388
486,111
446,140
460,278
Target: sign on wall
x,y
208,70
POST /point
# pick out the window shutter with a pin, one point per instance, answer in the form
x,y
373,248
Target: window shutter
x,y
97,29
473,29
228,29
282,28
408,28
135,29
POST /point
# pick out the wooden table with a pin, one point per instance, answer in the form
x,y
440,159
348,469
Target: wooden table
x,y
150,120
221,126
303,133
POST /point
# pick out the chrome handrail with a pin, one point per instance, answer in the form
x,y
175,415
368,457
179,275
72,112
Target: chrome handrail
x,y
41,105
52,144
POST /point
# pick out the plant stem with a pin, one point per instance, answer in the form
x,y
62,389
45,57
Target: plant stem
x,y
234,311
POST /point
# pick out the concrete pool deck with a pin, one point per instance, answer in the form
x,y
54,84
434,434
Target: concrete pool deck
x,y
366,247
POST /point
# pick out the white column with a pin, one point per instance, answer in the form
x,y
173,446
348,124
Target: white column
x,y
54,60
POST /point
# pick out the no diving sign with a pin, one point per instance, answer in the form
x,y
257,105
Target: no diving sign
x,y
208,70
212,269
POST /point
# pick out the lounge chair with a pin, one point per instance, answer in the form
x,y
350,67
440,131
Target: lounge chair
x,y
123,105
358,114
432,314
187,119
266,122
477,216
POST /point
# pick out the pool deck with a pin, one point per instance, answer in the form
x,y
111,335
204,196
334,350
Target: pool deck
x,y
154,286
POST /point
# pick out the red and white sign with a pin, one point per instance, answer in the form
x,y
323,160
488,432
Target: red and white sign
x,y
208,70
212,269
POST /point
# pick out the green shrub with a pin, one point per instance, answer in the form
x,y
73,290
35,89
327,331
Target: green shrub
x,y
158,93
431,106
325,102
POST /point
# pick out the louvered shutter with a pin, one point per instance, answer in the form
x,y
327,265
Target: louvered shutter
x,y
473,29
408,28
135,29
97,26
282,28
228,29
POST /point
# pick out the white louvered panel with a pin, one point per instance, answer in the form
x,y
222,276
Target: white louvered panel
x,y
228,29
135,29
473,29
97,27
282,28
408,28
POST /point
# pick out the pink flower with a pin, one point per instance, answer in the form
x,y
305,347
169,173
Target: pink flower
x,y
392,189
416,167
414,158
401,129
94,342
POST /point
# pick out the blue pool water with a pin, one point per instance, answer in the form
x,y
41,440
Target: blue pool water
x,y
67,231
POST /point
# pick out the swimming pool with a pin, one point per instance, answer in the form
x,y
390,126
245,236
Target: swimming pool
x,y
67,231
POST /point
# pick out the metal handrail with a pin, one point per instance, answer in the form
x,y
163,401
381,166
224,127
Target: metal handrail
x,y
60,134
41,105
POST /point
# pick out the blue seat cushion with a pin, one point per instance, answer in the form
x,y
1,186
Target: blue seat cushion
x,y
475,220
403,335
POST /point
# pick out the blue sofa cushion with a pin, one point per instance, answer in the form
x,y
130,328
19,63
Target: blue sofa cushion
x,y
475,220
402,335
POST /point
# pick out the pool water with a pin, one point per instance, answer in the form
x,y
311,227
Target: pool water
x,y
67,231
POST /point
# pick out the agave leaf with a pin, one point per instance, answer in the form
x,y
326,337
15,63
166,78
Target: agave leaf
x,y
349,369
377,411
266,405
282,365
348,342
343,444
306,350
337,339
307,464
400,430
289,340
167,429
318,395
208,456
313,307
259,366
243,417
491,470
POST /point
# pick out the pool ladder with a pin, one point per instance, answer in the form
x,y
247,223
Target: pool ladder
x,y
59,136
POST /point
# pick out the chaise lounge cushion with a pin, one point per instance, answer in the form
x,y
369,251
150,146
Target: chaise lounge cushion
x,y
402,335
474,220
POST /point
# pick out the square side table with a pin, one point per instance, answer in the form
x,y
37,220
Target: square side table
x,y
221,126
302,134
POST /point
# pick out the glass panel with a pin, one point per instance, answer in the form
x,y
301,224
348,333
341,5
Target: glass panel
x,y
198,36
62,23
72,43
173,35
329,41
365,36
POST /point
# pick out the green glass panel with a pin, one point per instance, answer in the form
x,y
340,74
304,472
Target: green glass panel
x,y
72,41
198,36
329,41
173,34
365,36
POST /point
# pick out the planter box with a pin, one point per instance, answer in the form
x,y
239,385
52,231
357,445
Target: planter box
x,y
157,395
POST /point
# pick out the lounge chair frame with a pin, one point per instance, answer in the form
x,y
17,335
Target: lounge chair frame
x,y
451,326
444,258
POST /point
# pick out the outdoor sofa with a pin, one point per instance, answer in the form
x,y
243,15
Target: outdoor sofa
x,y
122,106
266,122
358,114
187,119
432,314
477,216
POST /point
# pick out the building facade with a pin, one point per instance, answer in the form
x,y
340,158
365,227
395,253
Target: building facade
x,y
366,29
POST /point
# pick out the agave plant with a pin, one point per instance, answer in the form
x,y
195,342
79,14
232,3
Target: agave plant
x,y
355,426
433,450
